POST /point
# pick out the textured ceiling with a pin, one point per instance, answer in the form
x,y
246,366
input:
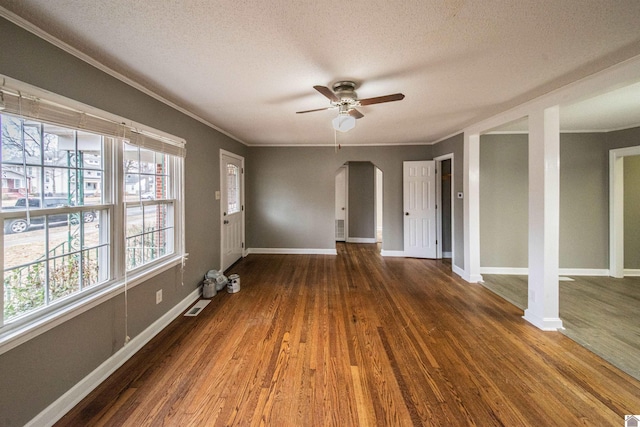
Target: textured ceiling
x,y
248,66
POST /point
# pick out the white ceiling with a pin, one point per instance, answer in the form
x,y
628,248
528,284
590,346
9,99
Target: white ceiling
x,y
248,66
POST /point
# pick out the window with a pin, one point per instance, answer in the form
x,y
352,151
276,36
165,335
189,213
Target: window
x,y
149,209
233,183
87,204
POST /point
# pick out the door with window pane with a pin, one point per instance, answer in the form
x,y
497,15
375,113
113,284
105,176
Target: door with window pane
x,y
232,209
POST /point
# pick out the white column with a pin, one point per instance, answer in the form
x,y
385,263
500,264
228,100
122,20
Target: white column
x,y
471,187
544,219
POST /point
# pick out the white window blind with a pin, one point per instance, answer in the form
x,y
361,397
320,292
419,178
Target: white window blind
x,y
34,107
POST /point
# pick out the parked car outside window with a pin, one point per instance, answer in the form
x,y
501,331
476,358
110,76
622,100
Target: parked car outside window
x,y
19,225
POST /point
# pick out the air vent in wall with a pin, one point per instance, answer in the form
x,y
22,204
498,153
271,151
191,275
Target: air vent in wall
x,y
340,229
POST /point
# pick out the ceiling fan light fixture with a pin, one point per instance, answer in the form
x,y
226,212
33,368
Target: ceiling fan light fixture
x,y
343,122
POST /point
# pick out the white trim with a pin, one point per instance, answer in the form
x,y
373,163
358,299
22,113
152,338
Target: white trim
x,y
616,76
439,159
524,271
361,240
471,210
520,271
632,272
19,335
382,144
457,270
583,271
28,26
392,253
291,251
526,132
545,324
616,208
75,394
471,278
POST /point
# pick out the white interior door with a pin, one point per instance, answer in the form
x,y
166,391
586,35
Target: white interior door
x,y
341,204
419,182
232,206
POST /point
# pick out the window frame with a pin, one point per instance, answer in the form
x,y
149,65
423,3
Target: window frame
x,y
113,203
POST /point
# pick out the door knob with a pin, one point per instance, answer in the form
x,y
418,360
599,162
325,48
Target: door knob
x,y
406,213
226,222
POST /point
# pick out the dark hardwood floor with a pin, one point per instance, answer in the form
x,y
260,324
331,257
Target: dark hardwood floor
x,y
359,340
600,313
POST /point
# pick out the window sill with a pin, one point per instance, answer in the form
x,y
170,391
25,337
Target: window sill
x,y
40,324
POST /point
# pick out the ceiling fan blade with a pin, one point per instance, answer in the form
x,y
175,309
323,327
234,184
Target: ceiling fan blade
x,y
355,113
317,109
327,92
381,99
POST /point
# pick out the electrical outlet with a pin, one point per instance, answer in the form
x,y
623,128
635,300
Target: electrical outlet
x,y
159,296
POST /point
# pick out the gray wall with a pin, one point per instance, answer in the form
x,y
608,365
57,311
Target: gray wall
x,y
455,146
35,374
504,187
291,193
631,212
362,200
584,199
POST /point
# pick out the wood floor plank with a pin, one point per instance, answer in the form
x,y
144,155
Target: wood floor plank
x,y
359,340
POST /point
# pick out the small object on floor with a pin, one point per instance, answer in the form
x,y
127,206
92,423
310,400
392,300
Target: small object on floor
x,y
209,288
234,284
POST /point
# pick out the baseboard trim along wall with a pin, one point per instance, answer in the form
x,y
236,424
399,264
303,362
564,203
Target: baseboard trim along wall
x,y
399,254
292,251
524,271
361,240
632,272
71,398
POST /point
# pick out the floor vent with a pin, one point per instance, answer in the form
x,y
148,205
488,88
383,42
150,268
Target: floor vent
x,y
198,307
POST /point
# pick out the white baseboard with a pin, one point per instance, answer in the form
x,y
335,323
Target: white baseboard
x,y
584,271
545,324
504,270
524,271
292,251
361,240
71,398
632,272
447,254
392,253
457,270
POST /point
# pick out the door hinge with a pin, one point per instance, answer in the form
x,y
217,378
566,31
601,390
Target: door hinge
x,y
242,207
242,245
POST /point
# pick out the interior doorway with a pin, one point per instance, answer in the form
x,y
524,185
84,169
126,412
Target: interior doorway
x,y
379,208
623,207
359,203
342,203
444,200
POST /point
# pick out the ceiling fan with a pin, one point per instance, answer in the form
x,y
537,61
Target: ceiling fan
x,y
344,98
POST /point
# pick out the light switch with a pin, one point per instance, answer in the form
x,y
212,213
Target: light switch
x,y
217,195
